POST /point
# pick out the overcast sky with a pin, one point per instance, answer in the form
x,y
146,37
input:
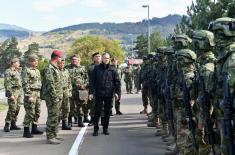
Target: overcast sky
x,y
44,15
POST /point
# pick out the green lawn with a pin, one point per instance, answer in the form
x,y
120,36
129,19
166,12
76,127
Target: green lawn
x,y
3,106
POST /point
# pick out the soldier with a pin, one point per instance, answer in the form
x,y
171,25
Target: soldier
x,y
31,80
128,78
203,44
117,102
53,92
96,57
144,87
79,79
13,88
67,93
224,31
136,74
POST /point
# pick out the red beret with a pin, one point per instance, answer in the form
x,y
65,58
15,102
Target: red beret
x,y
58,53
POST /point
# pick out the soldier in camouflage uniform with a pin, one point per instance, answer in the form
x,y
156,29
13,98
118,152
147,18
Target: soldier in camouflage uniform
x,y
13,88
203,44
96,57
136,74
79,79
128,78
31,80
117,102
53,92
185,68
224,31
67,93
144,85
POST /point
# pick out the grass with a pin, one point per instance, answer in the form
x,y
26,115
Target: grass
x,y
3,106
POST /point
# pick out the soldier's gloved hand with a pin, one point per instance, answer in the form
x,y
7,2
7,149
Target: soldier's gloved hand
x,y
90,97
30,99
12,97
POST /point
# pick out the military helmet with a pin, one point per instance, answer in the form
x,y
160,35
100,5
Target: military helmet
x,y
226,25
203,40
186,55
32,57
145,58
181,41
150,55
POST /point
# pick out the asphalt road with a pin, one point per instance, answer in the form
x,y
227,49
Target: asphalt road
x,y
129,135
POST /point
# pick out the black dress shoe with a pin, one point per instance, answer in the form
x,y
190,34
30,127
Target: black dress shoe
x,y
118,113
95,133
106,132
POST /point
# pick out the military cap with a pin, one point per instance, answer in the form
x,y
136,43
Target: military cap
x,y
32,57
13,60
58,53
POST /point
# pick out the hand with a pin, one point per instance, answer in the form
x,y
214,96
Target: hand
x,y
116,97
12,97
30,99
90,97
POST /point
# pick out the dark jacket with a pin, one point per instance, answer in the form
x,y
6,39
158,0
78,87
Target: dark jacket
x,y
104,81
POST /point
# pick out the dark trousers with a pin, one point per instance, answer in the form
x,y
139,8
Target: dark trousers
x,y
100,102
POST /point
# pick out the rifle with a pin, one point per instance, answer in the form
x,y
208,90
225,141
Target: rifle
x,y
206,113
187,105
228,113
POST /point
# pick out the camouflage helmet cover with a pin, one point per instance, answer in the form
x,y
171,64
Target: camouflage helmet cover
x,y
204,39
187,53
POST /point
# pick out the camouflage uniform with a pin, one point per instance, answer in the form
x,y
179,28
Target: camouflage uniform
x,y
13,87
67,93
128,72
79,79
203,44
136,74
224,31
53,92
31,80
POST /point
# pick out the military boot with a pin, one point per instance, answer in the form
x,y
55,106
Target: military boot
x,y
7,127
65,126
70,121
27,133
91,122
80,122
86,119
53,141
35,130
13,126
105,132
75,120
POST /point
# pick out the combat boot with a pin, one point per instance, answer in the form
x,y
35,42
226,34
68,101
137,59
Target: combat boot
x,y
173,152
91,122
35,130
27,133
86,119
118,113
65,126
105,132
75,120
13,126
144,111
70,121
80,122
7,127
53,141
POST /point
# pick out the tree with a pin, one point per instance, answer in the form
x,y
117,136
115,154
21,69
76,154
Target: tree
x,y
141,46
8,50
32,49
156,41
86,46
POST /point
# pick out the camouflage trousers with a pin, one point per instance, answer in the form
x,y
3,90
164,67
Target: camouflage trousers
x,y
129,86
145,99
32,109
14,107
65,108
53,110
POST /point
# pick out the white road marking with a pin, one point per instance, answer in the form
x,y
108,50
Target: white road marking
x,y
75,148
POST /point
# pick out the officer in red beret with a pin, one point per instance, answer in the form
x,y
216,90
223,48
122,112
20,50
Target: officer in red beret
x,y
53,94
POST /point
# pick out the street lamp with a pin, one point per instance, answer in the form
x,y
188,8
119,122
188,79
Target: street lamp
x,y
147,6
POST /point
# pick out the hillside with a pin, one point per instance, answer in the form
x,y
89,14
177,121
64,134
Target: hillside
x,y
62,38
